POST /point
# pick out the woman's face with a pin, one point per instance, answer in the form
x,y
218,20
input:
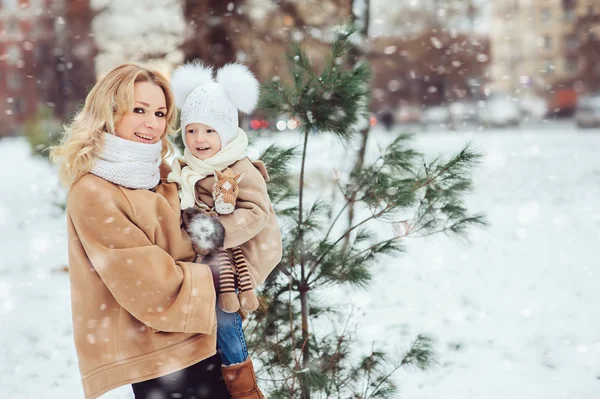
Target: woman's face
x,y
202,140
147,121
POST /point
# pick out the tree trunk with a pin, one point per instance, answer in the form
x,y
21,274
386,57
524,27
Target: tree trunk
x,y
305,387
209,38
356,54
45,62
65,61
77,65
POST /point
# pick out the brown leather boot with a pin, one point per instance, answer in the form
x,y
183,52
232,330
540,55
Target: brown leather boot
x,y
241,381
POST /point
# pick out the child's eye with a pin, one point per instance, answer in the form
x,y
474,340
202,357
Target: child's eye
x,y
191,131
138,110
210,131
160,114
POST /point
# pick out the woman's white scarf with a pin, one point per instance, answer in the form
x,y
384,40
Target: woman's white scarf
x,y
128,163
196,169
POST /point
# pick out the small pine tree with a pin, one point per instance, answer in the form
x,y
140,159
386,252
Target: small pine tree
x,y
398,182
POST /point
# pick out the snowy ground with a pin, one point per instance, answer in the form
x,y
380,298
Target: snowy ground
x,y
514,312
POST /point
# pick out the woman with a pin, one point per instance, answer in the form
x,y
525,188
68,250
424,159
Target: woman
x,y
143,314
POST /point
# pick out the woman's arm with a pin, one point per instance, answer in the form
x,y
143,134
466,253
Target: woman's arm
x,y
145,280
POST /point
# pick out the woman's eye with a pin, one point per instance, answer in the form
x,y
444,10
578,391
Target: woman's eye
x,y
160,114
138,110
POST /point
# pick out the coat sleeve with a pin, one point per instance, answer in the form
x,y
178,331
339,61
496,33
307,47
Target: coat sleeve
x,y
251,213
144,279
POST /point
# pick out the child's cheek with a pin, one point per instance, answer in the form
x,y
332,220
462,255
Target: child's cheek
x,y
188,140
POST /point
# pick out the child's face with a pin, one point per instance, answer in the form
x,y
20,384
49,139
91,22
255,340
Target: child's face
x,y
202,140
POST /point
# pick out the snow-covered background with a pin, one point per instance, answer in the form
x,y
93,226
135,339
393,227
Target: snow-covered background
x,y
515,311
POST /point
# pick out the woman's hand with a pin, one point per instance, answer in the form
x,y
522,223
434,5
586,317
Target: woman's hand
x,y
206,232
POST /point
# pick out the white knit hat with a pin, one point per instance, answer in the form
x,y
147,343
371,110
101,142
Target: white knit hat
x,y
214,102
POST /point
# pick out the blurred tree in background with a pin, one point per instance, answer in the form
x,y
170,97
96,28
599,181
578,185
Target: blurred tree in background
x,y
212,30
589,48
64,67
147,32
258,32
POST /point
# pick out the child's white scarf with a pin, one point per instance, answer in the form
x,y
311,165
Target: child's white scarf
x,y
128,163
196,169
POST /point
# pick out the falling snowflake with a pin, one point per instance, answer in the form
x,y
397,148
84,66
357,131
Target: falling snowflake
x,y
437,43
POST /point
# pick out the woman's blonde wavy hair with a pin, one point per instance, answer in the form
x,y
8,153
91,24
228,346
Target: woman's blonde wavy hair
x,y
110,99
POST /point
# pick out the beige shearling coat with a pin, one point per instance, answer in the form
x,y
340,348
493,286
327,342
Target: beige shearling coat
x,y
141,309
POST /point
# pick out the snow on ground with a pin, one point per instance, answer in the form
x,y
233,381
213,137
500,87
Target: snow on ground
x,y
514,311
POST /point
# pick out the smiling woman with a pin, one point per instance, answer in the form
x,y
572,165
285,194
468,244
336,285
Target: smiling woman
x,y
143,312
131,103
146,122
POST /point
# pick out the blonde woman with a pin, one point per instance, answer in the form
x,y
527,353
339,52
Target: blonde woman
x,y
143,314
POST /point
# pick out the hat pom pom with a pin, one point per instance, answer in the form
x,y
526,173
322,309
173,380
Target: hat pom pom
x,y
241,85
186,78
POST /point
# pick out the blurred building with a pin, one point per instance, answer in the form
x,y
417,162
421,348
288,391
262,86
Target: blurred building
x,y
18,88
534,43
46,59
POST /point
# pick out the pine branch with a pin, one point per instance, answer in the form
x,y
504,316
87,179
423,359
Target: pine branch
x,y
459,228
420,354
320,259
335,220
284,270
277,162
369,369
380,244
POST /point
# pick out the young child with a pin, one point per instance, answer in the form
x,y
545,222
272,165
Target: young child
x,y
213,143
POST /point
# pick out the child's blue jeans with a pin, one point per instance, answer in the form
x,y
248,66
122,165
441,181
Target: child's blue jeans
x,y
231,343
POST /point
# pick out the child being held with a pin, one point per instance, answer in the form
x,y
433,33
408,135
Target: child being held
x,y
214,143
